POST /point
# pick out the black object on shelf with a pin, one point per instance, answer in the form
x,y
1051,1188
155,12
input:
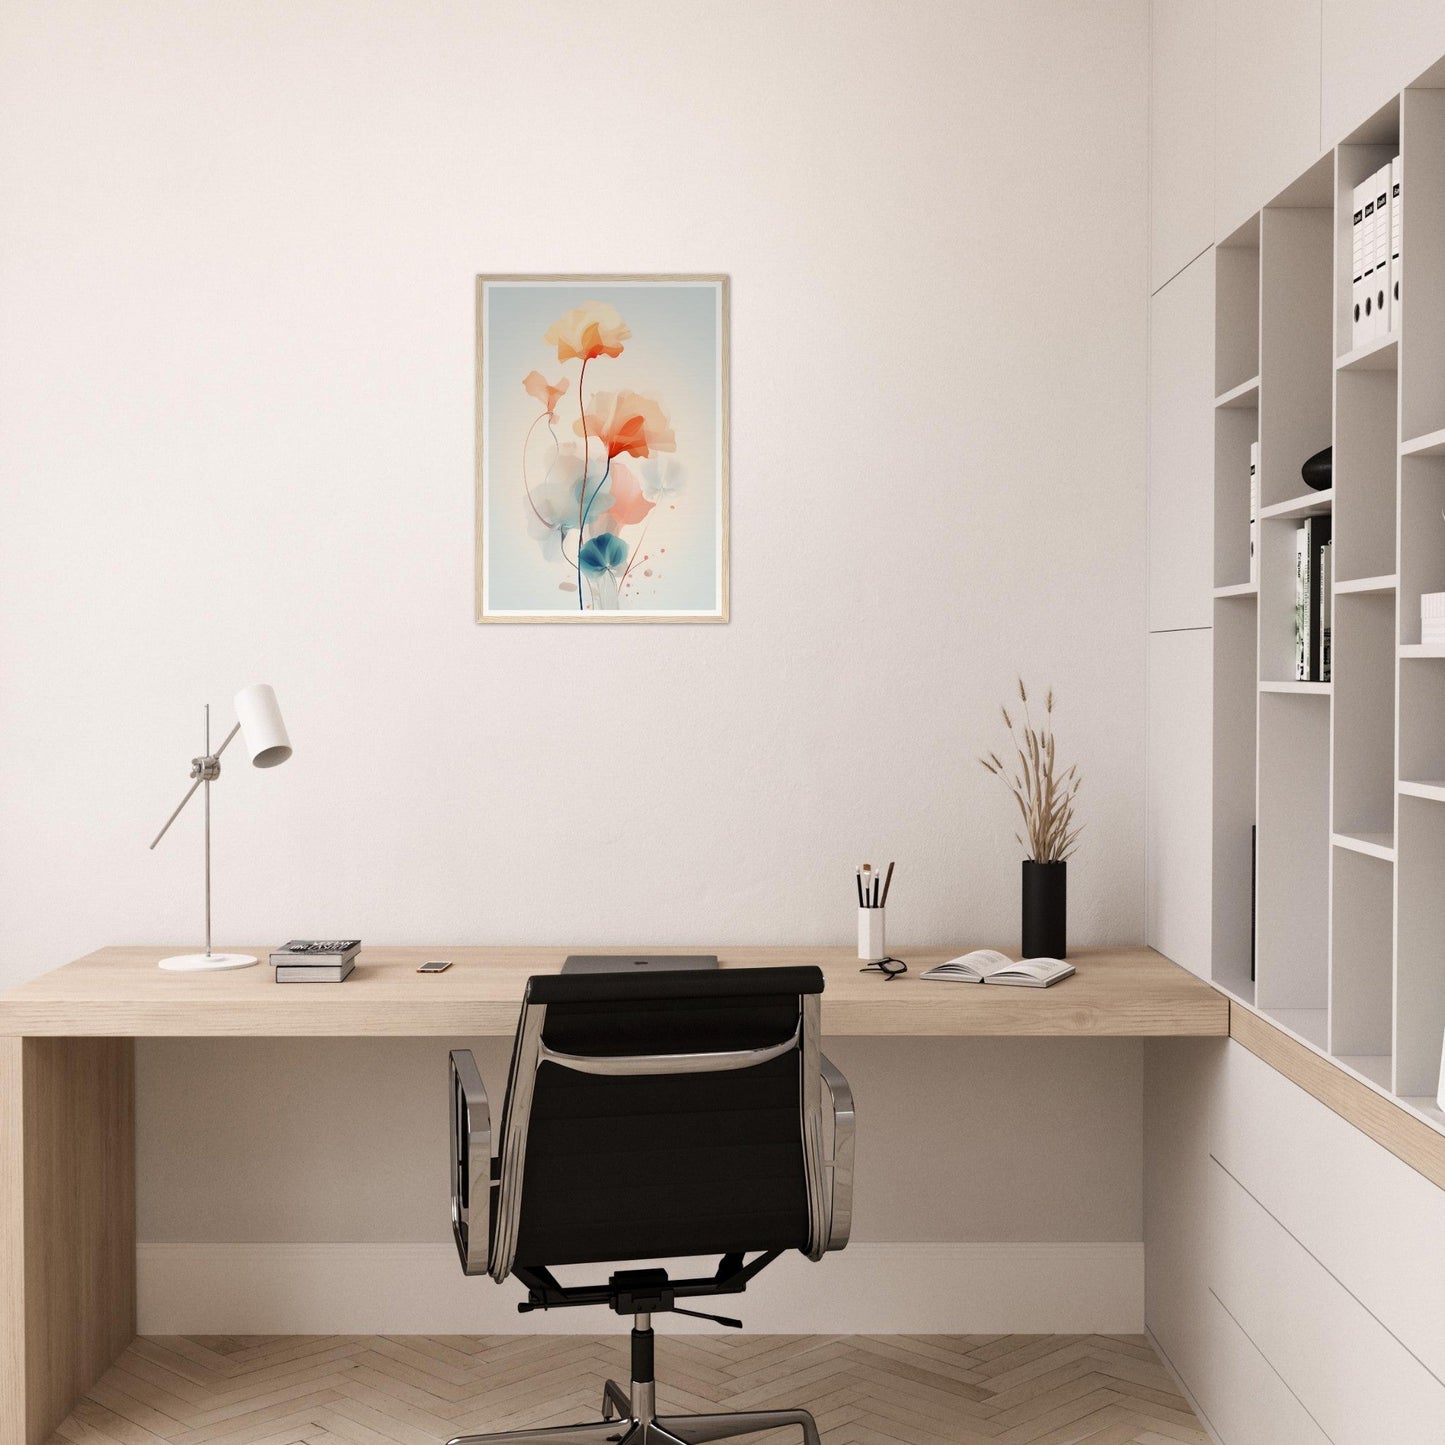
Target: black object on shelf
x,y
1253,892
1045,910
1319,471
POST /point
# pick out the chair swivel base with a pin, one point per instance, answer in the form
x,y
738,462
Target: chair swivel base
x,y
629,1420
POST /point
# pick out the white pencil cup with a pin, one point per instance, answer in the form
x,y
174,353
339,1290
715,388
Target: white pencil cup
x,y
871,945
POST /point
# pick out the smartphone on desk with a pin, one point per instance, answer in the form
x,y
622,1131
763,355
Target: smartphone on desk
x,y
435,965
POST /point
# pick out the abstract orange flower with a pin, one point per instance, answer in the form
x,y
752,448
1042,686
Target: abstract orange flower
x,y
537,385
627,422
629,506
592,329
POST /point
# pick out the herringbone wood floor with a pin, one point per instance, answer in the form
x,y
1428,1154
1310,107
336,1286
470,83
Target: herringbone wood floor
x,y
419,1390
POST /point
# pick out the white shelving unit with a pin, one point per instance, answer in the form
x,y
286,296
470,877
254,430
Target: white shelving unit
x,y
1336,789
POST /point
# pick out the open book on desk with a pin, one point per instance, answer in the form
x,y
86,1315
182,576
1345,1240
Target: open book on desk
x,y
987,965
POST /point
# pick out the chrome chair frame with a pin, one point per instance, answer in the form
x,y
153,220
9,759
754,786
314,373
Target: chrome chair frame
x,y
486,1211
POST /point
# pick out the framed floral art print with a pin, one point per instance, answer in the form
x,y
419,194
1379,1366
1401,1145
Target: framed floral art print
x,y
602,416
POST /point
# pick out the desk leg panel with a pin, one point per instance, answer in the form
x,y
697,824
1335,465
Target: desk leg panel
x,y
67,1211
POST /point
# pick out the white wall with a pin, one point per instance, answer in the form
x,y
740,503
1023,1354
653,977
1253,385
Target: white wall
x,y
237,394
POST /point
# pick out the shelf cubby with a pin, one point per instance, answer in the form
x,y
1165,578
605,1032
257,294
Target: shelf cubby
x,y
1422,538
1373,145
1365,461
1363,686
1235,430
1276,602
1236,701
1420,961
1422,725
1292,944
1236,302
1296,329
1362,956
1422,253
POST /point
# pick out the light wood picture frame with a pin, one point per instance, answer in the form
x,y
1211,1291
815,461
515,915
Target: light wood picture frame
x,y
602,448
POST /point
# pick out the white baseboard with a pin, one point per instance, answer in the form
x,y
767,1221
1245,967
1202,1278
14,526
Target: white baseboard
x,y
350,1289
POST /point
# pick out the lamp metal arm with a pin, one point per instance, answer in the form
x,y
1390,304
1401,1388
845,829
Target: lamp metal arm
x,y
204,770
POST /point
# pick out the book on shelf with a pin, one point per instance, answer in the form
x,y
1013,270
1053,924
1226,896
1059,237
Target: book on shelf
x,y
314,972
1254,513
1326,606
1357,266
1310,607
1253,892
1381,273
1301,605
316,952
988,965
1432,617
1397,225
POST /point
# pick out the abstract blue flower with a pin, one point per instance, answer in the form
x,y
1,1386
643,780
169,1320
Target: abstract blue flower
x,y
604,553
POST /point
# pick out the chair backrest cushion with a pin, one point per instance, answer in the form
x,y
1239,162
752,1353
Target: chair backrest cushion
x,y
651,1166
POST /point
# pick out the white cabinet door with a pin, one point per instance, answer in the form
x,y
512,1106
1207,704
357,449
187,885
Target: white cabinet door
x,y
1181,134
1371,49
1178,813
1181,450
1266,102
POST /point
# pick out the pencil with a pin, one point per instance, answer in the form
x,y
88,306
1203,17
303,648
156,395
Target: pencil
x,y
858,879
887,884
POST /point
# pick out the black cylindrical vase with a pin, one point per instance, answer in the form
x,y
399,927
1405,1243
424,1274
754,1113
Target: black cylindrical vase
x,y
1046,909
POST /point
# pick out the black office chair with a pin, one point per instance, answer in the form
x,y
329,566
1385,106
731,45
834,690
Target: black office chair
x,y
647,1118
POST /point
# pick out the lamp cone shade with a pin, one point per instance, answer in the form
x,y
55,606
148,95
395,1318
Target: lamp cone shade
x,y
262,730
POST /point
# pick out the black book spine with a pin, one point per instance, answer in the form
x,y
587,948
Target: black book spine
x,y
1253,891
1318,533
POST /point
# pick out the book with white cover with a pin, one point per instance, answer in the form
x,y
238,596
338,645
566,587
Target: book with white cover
x,y
1301,605
1367,325
1397,225
1357,266
1381,274
988,965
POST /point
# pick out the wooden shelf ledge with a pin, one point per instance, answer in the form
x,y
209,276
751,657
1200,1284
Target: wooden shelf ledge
x,y
1394,1123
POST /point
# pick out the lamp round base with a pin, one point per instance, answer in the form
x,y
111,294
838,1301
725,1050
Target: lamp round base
x,y
206,962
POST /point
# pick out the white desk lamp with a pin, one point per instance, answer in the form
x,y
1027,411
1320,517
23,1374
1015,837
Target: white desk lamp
x,y
258,720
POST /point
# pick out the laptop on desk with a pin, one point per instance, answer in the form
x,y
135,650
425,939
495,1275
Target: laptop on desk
x,y
637,962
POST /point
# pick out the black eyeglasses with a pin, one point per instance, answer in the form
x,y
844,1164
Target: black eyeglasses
x,y
890,968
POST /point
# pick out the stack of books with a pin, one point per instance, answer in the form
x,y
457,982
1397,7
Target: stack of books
x,y
315,960
1313,594
1376,226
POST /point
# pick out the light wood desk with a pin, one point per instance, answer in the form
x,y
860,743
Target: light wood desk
x,y
67,1168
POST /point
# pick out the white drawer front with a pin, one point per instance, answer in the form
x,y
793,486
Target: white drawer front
x,y
1370,1220
1358,1382
1246,1402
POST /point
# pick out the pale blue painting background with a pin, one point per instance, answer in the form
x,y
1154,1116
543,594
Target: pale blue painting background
x,y
672,355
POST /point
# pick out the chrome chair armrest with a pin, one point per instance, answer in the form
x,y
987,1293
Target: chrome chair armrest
x,y
471,1124
840,1165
